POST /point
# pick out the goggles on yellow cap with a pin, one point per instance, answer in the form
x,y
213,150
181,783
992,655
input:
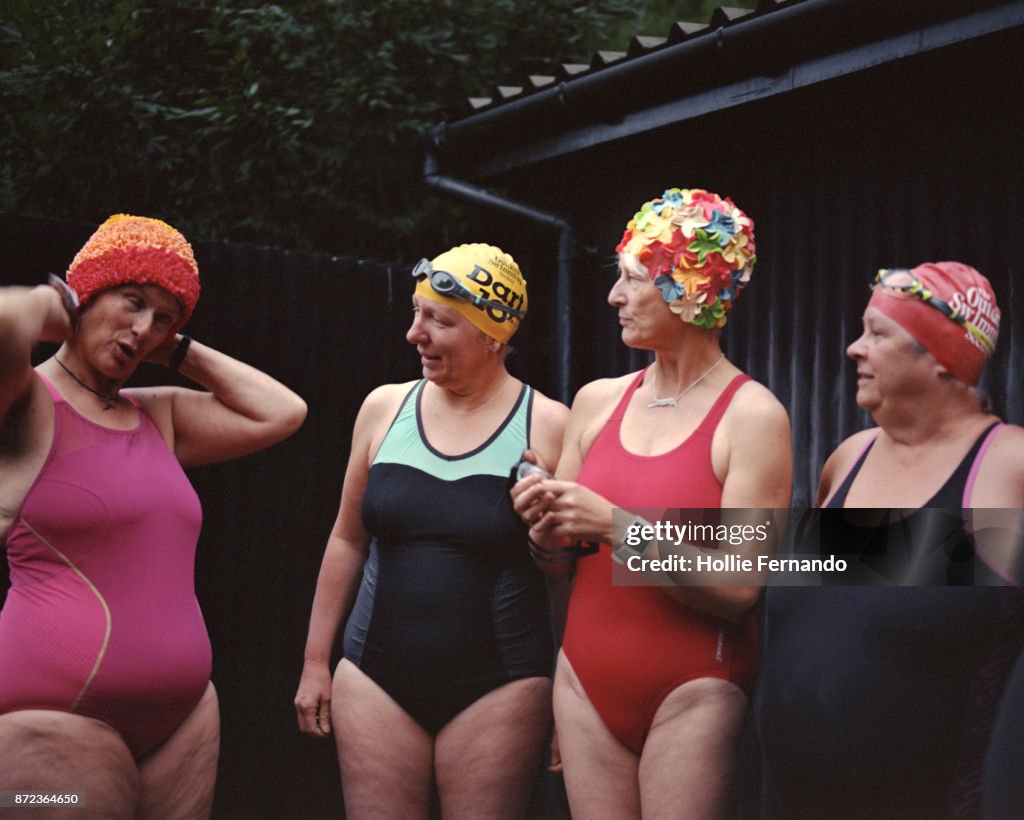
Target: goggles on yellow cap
x,y
445,284
481,282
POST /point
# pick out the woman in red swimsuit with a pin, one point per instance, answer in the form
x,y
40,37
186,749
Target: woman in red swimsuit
x,y
104,658
652,682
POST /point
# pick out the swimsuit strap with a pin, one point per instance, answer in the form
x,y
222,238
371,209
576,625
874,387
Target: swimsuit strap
x,y
514,425
406,443
59,399
610,434
49,386
982,448
963,476
714,415
839,496
620,408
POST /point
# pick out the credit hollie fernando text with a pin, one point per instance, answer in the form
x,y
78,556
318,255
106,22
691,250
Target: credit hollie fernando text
x,y
734,563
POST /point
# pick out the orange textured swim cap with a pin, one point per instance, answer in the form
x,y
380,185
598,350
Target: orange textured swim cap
x,y
136,249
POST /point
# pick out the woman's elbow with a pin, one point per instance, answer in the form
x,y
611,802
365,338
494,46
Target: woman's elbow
x,y
288,416
737,602
295,414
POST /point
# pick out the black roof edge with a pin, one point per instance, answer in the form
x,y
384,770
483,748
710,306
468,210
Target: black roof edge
x,y
763,42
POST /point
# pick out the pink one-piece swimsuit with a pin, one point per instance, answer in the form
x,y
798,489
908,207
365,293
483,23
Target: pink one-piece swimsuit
x,y
101,619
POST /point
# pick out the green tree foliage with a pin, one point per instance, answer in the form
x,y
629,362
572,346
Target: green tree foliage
x,y
293,124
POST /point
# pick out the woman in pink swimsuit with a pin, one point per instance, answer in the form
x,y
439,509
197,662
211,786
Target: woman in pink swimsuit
x,y
652,682
104,658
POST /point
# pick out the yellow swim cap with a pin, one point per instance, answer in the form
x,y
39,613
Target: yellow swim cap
x,y
490,291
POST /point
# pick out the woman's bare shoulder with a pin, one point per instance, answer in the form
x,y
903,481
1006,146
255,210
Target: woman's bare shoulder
x,y
756,404
548,411
1000,479
848,450
387,394
382,403
595,396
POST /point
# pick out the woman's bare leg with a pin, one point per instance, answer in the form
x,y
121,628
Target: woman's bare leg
x,y
178,778
386,758
600,773
44,751
689,760
488,757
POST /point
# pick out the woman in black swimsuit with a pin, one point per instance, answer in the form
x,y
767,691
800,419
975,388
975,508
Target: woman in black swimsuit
x,y
878,701
445,679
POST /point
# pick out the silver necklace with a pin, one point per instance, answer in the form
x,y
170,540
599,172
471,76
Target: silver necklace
x,y
673,401
108,400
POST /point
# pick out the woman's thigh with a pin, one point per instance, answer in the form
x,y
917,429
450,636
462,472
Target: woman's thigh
x,y
600,772
49,751
488,757
386,758
178,778
689,759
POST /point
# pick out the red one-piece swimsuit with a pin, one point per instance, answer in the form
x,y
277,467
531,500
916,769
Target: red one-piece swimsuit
x,y
630,646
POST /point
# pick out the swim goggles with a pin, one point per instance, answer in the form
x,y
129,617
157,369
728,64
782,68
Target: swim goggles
x,y
903,281
561,555
446,284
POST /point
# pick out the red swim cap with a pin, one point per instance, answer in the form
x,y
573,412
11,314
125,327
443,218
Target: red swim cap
x,y
967,292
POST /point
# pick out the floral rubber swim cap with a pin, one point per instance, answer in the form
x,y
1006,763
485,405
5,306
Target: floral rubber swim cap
x,y
697,247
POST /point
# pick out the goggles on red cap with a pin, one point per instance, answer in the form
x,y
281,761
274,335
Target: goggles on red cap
x,y
949,308
901,280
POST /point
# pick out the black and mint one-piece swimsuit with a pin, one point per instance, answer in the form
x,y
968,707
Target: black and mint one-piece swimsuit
x,y
450,606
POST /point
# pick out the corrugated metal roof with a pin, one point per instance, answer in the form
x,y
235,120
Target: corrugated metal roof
x,y
639,45
738,57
